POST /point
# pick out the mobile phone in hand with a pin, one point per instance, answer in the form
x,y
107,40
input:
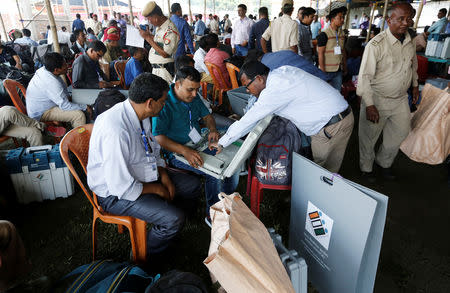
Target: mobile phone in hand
x,y
143,27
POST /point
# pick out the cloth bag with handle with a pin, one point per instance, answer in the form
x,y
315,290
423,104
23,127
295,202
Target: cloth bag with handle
x,y
242,256
429,139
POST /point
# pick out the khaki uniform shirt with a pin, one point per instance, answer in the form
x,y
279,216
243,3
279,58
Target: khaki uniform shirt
x,y
112,53
214,26
388,68
283,33
167,37
97,27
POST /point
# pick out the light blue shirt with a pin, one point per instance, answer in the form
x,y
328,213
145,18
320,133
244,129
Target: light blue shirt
x,y
46,91
132,69
438,26
200,27
315,28
291,93
26,41
117,159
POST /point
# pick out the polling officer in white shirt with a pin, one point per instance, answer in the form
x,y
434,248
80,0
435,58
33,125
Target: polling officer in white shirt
x,y
314,106
126,171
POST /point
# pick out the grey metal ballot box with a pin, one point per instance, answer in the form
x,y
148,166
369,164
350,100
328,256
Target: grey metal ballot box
x,y
337,226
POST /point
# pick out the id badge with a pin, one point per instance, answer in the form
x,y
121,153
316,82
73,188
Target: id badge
x,y
194,135
337,50
151,171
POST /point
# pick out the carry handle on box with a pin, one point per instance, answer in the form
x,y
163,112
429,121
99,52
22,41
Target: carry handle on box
x,y
35,149
294,264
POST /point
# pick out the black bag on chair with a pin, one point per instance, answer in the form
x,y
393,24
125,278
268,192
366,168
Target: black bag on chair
x,y
107,99
273,164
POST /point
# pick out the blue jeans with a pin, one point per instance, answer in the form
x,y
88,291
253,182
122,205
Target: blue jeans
x,y
213,186
241,51
167,218
335,79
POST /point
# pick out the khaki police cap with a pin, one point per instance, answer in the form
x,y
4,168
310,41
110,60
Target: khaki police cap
x,y
148,8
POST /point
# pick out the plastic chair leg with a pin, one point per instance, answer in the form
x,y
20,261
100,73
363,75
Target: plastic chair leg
x,y
255,197
139,241
94,237
220,97
249,180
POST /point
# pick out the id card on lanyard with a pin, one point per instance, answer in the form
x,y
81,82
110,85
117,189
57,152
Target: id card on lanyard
x,y
337,49
193,133
150,167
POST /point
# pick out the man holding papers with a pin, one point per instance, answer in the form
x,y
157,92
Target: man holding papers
x,y
164,42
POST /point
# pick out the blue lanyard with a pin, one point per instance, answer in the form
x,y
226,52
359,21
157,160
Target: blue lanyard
x,y
147,146
190,114
337,40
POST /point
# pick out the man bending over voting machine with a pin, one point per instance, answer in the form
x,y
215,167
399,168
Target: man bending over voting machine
x,y
126,171
315,107
178,124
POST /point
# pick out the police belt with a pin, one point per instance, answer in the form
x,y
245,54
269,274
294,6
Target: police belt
x,y
338,117
165,65
170,67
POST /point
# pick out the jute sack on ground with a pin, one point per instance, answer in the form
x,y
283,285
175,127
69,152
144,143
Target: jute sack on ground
x,y
241,255
429,139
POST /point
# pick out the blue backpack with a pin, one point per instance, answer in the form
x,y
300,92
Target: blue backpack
x,y
107,276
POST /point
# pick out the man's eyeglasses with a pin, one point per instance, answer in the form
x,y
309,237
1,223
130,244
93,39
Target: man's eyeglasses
x,y
253,79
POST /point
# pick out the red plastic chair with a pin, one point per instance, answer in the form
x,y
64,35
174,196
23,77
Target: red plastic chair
x,y
233,71
119,66
77,142
255,189
216,75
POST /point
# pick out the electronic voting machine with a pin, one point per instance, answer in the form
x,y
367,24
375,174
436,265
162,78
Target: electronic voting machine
x,y
231,158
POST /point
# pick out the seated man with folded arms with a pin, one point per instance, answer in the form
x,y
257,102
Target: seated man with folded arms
x,y
87,73
47,95
134,66
178,123
314,106
126,171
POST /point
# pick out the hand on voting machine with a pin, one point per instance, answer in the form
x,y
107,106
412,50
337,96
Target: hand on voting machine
x,y
230,159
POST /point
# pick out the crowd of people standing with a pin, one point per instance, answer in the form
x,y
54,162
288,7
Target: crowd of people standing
x,y
293,67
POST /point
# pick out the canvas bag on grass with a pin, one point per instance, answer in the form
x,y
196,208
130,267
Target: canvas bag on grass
x,y
242,256
429,139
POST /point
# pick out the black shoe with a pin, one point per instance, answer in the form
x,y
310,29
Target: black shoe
x,y
368,176
387,174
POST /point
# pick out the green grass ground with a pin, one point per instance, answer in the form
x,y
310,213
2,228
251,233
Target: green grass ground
x,y
414,255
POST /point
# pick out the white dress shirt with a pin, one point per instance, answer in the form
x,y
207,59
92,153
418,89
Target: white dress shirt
x,y
199,59
306,100
63,37
46,91
241,31
117,160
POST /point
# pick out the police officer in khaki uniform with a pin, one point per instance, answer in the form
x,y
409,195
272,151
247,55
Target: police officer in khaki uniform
x,y
164,42
388,69
283,31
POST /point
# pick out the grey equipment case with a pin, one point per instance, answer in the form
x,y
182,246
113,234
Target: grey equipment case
x,y
294,265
